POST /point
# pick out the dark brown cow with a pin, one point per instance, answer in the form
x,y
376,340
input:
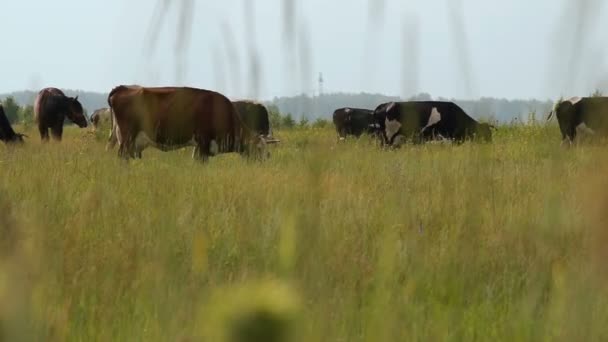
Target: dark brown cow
x,y
50,109
255,116
7,135
169,118
354,121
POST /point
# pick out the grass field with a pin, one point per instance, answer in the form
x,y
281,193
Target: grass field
x,y
324,242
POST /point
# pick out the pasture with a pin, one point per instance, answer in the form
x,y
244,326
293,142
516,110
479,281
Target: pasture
x,y
330,242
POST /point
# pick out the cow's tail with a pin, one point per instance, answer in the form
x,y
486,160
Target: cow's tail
x,y
112,92
39,103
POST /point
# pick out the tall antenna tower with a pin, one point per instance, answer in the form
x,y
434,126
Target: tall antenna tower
x,y
321,83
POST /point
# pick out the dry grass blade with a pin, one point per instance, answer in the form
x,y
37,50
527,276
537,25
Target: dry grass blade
x,y
571,69
411,56
183,32
182,42
461,44
156,23
289,21
254,72
376,10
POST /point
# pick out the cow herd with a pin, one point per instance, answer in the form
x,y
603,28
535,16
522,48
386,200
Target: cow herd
x,y
170,118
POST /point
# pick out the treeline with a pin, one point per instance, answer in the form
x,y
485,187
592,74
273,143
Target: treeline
x,y
487,108
304,109
287,121
16,113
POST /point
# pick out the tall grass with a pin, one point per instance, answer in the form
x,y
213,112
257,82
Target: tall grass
x,y
323,242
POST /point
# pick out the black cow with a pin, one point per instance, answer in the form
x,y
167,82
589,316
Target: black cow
x,y
587,115
353,121
255,116
7,135
421,121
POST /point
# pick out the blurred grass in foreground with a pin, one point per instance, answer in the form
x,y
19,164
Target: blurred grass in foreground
x,y
324,242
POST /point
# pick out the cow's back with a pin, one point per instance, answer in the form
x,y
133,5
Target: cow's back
x,y
41,110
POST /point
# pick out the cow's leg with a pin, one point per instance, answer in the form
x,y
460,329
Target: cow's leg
x,y
126,147
111,139
202,150
44,133
57,132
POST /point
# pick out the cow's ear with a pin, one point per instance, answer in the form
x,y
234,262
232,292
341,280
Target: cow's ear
x,y
76,98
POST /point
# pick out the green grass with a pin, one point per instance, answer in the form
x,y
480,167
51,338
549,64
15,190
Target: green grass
x,y
325,242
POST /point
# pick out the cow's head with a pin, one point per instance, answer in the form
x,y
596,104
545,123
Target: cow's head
x,y
258,147
17,139
76,112
95,120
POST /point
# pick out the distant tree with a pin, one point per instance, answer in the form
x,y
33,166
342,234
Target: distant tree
x,y
26,114
288,121
320,123
303,123
11,109
532,118
597,93
274,116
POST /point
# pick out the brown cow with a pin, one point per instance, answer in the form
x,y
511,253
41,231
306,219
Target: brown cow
x,y
7,135
50,109
170,118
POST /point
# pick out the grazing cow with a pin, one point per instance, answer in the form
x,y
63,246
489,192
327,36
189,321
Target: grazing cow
x,y
170,118
581,115
354,121
427,120
50,109
103,119
7,135
255,117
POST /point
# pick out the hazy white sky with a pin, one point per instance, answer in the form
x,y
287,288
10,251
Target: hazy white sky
x,y
516,48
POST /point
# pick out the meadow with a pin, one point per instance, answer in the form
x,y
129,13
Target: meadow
x,y
323,242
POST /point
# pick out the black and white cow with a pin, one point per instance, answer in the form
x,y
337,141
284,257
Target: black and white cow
x,y
421,121
354,121
581,116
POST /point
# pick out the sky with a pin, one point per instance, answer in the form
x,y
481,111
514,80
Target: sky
x,y
461,49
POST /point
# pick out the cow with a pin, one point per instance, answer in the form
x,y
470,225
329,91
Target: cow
x,y
421,121
50,110
255,116
170,118
353,121
7,134
101,118
581,116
